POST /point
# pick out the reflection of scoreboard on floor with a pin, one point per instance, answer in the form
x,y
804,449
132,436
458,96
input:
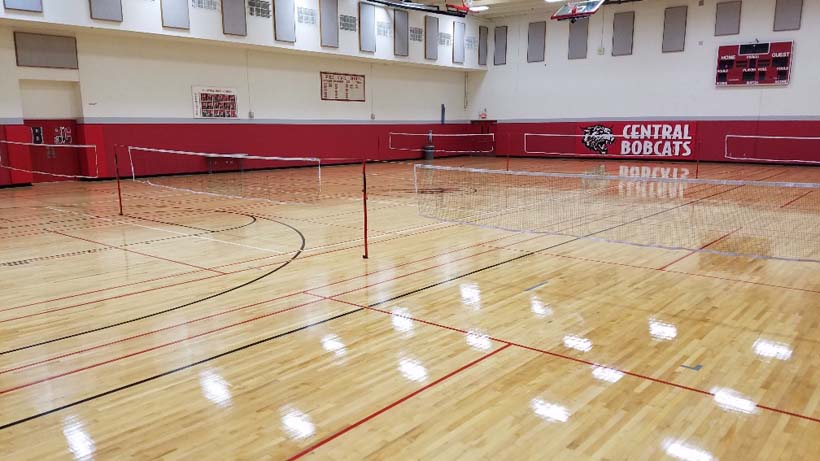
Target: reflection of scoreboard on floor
x,y
754,64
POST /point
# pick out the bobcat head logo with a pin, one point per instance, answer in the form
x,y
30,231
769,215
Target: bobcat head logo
x,y
598,138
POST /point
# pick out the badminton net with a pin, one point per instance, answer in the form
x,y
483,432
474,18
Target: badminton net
x,y
444,143
776,149
227,175
760,219
51,161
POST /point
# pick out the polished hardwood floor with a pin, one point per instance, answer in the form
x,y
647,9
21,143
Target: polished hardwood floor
x,y
202,326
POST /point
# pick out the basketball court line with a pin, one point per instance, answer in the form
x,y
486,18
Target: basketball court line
x,y
796,199
769,285
228,273
253,305
97,250
168,231
396,403
564,356
175,370
197,301
401,295
146,350
722,237
137,252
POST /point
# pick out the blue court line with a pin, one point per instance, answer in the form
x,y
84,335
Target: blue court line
x,y
537,286
696,367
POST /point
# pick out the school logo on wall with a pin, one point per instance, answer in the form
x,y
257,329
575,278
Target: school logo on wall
x,y
598,138
675,139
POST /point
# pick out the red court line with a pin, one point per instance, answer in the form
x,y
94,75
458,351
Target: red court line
x,y
784,412
140,335
701,248
770,285
124,295
575,359
374,241
683,273
152,348
220,275
796,199
137,252
224,265
100,290
395,404
50,359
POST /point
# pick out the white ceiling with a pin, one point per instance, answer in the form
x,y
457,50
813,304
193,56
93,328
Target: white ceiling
x,y
512,7
500,8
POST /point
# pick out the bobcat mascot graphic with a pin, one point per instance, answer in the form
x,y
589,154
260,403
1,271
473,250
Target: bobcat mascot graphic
x,y
598,138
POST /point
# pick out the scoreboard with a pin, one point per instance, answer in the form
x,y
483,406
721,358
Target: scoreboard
x,y
754,64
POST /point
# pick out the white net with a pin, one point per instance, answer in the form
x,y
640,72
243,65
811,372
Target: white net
x,y
228,175
50,161
761,219
444,143
596,143
775,149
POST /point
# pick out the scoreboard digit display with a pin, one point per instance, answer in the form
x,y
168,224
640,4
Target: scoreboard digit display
x,y
754,64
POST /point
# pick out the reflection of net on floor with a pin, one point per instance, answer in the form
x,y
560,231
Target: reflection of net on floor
x,y
778,149
444,143
276,179
777,220
54,160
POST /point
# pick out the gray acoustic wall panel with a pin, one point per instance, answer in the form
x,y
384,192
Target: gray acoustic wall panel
x,y
329,22
459,31
284,20
107,10
367,27
787,14
727,18
674,29
578,38
623,26
483,33
234,21
175,14
536,41
431,37
401,33
38,50
24,5
500,46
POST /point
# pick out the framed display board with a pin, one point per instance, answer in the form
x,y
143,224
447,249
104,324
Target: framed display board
x,y
342,87
211,102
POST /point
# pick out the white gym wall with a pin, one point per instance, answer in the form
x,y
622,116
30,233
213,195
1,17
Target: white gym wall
x,y
648,84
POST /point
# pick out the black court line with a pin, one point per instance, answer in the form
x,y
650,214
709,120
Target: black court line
x,y
545,249
171,309
271,338
176,370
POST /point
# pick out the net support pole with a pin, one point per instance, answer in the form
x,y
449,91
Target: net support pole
x,y
364,204
117,175
697,168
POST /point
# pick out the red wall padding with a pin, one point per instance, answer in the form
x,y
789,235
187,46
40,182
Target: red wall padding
x,y
355,141
352,142
709,142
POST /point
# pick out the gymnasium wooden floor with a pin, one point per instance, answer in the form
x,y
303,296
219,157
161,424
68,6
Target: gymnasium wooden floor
x,y
203,327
